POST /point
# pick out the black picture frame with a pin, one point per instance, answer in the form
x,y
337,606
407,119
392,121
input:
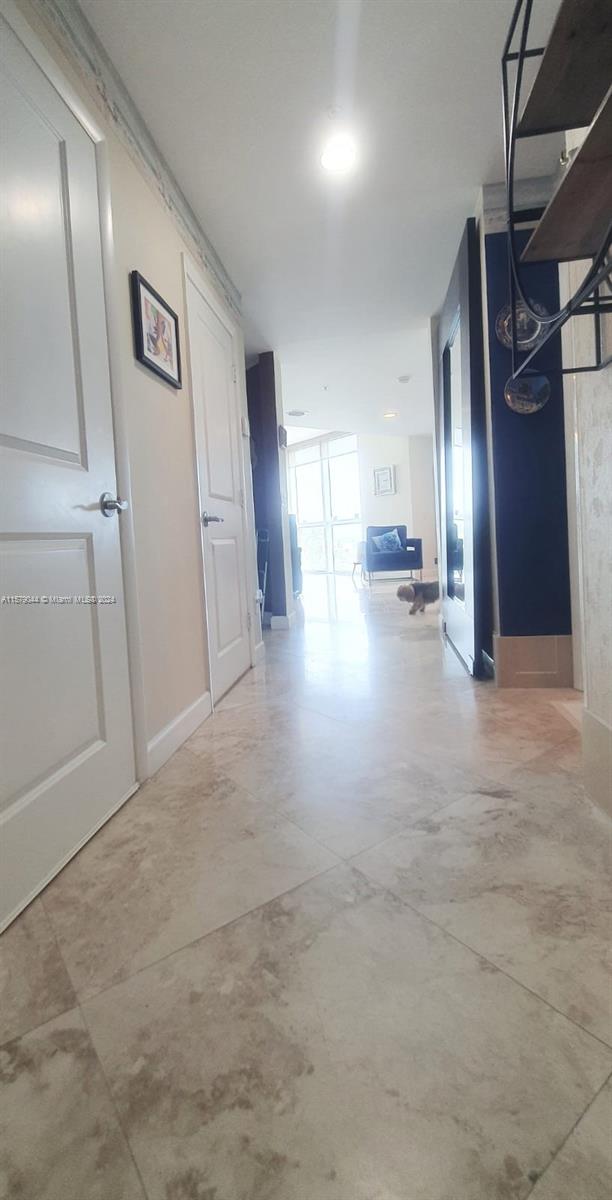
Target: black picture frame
x,y
143,339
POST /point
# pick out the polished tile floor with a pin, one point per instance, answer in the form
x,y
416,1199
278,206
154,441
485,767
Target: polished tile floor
x,y
349,944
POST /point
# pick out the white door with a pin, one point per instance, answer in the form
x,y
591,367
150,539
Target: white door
x,y
65,720
217,424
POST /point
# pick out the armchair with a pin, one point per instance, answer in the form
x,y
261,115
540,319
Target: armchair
x,y
408,558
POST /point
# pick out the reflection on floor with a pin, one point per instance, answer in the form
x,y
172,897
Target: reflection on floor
x,y
348,944
332,598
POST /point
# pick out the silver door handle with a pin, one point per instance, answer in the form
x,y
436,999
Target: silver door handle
x,y
110,504
207,519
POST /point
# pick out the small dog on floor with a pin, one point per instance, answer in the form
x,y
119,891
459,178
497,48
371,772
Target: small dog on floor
x,y
418,594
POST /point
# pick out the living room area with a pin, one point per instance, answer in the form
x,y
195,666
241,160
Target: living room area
x,y
362,517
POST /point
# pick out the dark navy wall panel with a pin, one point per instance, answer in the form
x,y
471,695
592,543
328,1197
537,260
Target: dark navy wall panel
x,y
529,472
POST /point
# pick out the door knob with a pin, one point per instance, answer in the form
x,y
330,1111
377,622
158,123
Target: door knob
x,y
207,519
110,504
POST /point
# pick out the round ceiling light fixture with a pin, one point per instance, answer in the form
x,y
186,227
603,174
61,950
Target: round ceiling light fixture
x,y
403,378
297,412
390,416
339,153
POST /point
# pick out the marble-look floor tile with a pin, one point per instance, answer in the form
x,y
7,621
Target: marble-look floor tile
x,y
334,1044
191,851
59,1135
352,803
34,983
348,787
583,1166
562,761
521,874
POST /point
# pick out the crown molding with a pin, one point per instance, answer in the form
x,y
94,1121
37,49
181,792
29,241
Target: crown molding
x,y
72,30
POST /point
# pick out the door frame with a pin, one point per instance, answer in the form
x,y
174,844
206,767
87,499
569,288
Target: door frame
x,y
463,305
49,67
192,274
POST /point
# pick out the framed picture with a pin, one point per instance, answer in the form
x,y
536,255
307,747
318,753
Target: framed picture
x,y
156,331
384,481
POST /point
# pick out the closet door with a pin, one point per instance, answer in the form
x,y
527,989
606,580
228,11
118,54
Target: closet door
x,y
66,745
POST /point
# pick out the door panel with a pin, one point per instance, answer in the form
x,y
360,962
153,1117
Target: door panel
x,y
226,584
465,572
217,408
217,427
65,719
36,258
66,633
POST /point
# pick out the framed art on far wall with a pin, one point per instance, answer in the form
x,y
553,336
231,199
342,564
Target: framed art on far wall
x,y
384,481
156,331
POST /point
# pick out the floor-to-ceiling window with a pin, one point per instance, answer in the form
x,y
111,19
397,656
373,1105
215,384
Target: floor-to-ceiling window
x,y
324,495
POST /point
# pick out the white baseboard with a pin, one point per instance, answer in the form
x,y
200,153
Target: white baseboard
x,y
172,736
259,653
283,622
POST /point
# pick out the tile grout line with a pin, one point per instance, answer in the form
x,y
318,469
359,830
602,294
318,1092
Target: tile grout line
x,y
385,888
568,1135
589,1033
194,941
340,860
346,858
78,1007
113,1103
277,813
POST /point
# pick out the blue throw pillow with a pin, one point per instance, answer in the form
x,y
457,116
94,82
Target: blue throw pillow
x,y
388,541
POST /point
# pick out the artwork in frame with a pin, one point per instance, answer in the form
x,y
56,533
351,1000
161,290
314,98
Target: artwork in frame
x,y
156,331
384,481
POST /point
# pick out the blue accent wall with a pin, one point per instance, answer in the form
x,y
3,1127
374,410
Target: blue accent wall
x,y
529,471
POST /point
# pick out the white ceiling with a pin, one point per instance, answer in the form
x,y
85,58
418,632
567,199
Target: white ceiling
x,y
348,384
237,96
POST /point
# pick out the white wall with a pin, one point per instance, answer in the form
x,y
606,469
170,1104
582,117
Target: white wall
x,y
380,451
423,497
414,501
590,399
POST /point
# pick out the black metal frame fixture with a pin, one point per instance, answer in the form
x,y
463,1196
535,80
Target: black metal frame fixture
x,y
587,300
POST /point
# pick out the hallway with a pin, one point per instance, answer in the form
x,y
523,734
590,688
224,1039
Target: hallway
x,y
348,944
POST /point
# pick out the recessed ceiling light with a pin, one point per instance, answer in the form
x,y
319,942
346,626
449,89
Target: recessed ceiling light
x,y
296,412
390,416
403,378
339,154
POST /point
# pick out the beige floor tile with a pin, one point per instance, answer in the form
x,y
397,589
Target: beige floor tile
x,y
346,786
582,1169
59,1136
34,983
334,1045
522,875
350,801
188,853
323,1041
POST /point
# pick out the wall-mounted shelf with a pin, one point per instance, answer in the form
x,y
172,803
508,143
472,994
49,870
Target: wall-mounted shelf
x,y
576,219
573,88
575,71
